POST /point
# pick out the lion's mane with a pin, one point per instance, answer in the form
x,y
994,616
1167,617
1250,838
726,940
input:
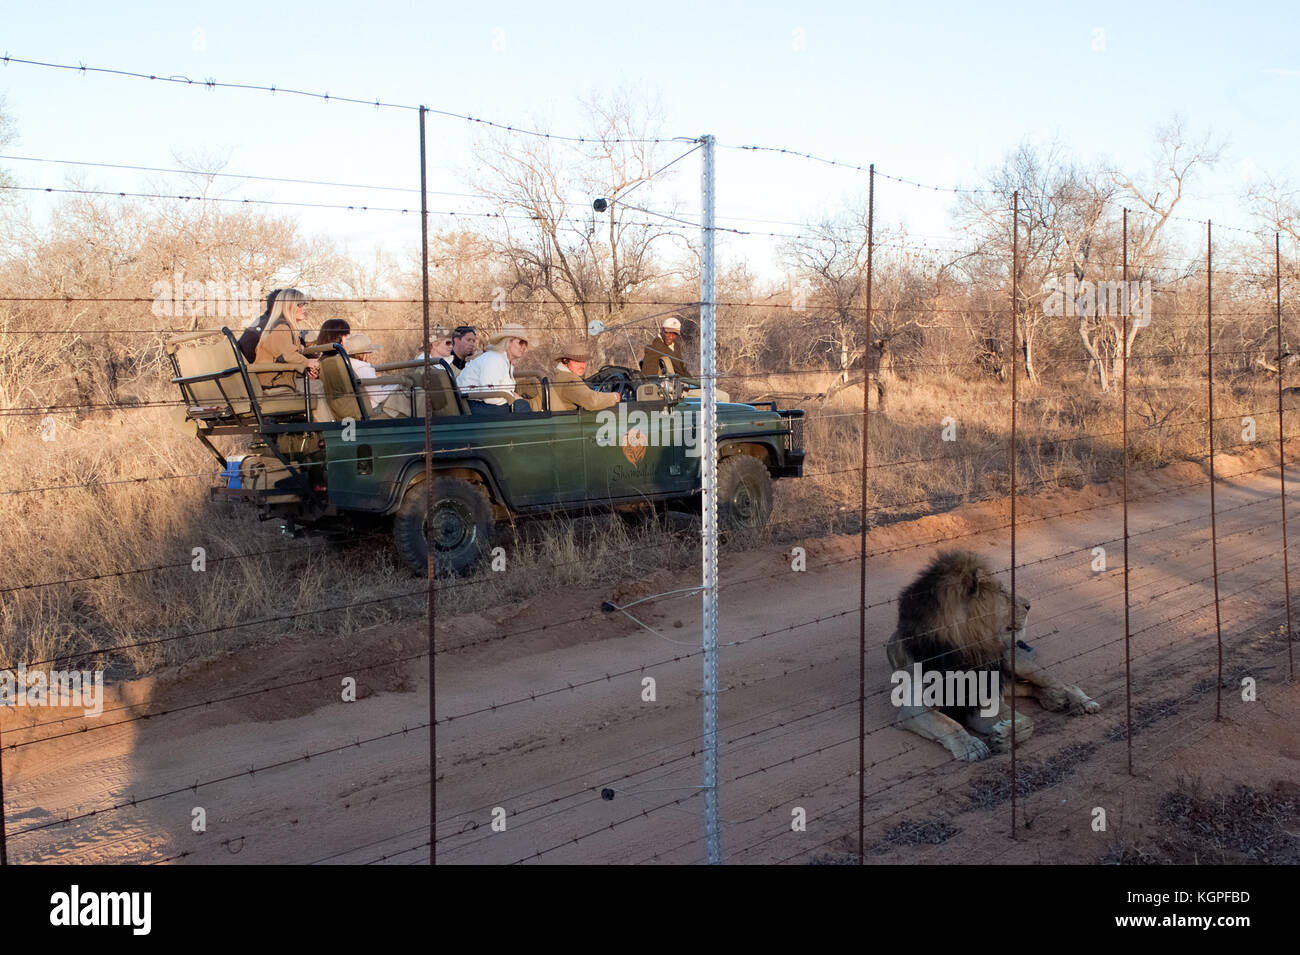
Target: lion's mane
x,y
951,617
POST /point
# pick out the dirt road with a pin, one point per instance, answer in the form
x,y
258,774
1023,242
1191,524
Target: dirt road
x,y
547,724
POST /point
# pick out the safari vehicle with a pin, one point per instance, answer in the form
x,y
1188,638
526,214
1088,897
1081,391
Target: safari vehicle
x,y
325,462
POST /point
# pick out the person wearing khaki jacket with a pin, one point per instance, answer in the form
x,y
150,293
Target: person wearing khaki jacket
x,y
279,342
663,356
568,391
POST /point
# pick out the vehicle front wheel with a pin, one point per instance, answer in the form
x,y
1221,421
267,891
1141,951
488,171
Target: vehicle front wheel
x,y
459,525
744,493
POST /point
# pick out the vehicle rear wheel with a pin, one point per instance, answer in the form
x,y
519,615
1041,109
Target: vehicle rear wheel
x,y
744,493
459,526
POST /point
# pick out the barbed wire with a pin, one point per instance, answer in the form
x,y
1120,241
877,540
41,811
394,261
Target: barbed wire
x,y
378,103
452,585
1201,608
1038,744
297,204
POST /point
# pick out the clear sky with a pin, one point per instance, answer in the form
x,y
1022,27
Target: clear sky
x,y
935,92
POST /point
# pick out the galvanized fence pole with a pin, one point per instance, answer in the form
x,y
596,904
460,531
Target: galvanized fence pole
x,y
862,544
709,467
429,569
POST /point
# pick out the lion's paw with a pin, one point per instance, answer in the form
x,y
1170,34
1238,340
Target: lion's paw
x,y
968,749
1000,734
1082,703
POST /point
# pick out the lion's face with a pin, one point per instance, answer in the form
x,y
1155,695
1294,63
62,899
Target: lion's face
x,y
1004,609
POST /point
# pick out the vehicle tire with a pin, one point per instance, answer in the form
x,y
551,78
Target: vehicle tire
x,y
744,494
460,526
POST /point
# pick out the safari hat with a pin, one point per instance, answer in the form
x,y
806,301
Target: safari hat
x,y
577,350
359,343
672,325
508,330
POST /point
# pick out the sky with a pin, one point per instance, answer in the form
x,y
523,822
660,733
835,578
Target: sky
x,y
936,93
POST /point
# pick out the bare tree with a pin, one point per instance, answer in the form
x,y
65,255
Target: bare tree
x,y
829,266
561,251
1061,206
1157,193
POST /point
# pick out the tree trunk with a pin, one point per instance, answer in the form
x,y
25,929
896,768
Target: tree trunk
x,y
1095,357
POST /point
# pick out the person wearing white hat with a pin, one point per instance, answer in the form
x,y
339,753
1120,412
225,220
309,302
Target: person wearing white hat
x,y
493,371
663,356
568,391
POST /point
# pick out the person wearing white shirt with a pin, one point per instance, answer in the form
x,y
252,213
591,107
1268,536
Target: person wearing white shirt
x,y
494,370
359,349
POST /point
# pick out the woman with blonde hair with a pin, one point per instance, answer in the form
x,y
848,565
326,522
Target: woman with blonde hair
x,y
492,373
280,342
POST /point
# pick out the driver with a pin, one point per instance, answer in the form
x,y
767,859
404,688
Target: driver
x,y
568,390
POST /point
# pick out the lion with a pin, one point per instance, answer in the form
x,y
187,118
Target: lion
x,y
956,616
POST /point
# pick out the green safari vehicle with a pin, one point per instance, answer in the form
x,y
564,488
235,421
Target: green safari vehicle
x,y
325,462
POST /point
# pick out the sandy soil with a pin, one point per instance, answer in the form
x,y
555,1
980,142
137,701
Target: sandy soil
x,y
540,711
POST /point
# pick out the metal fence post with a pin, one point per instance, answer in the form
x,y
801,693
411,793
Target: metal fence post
x,y
1281,454
709,467
1214,535
1015,378
430,569
1128,659
862,557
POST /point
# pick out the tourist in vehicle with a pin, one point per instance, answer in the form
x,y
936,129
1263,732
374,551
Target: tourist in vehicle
x,y
493,371
464,339
360,350
248,338
280,342
333,330
568,390
663,356
441,346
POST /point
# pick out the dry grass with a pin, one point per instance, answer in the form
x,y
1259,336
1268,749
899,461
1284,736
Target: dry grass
x,y
1067,436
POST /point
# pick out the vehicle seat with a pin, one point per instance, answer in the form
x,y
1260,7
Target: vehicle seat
x,y
210,374
340,393
530,387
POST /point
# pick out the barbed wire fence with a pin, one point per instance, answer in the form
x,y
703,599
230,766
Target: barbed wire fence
x,y
793,755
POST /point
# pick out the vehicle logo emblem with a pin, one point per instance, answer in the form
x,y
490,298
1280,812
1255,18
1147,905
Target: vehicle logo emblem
x,y
634,444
